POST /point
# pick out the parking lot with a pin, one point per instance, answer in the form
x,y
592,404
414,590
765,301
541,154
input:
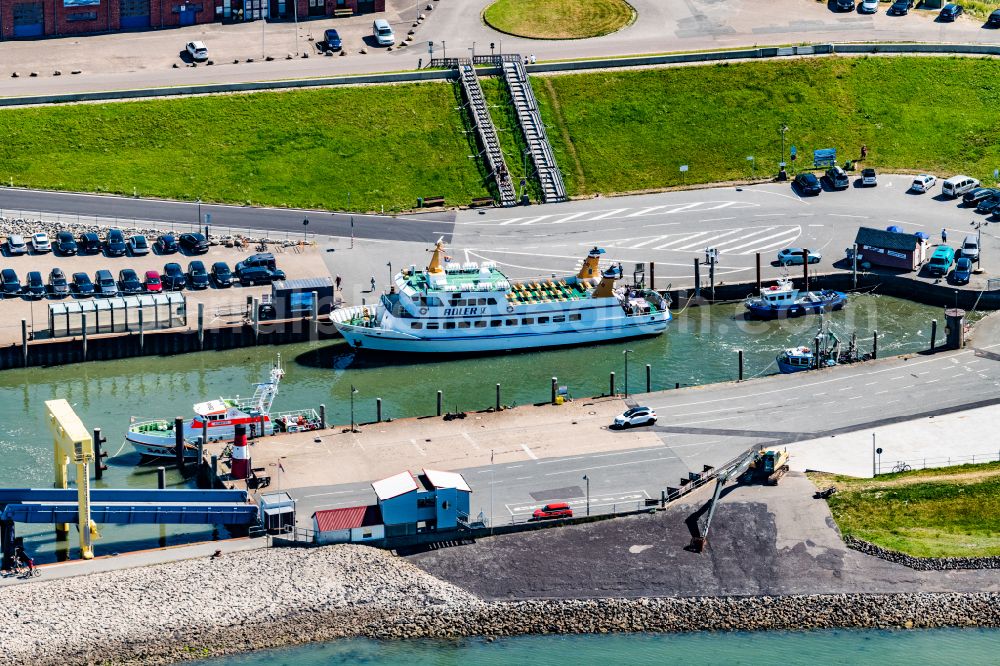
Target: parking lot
x,y
223,306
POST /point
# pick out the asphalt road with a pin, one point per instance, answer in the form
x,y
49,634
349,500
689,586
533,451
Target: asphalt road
x,y
424,228
712,424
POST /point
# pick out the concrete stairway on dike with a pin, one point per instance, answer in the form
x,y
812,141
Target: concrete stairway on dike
x,y
489,143
530,120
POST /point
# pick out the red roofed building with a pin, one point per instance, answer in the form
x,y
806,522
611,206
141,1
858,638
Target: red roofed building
x,y
355,524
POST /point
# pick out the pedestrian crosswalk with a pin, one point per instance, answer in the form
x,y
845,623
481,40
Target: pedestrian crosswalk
x,y
735,240
625,214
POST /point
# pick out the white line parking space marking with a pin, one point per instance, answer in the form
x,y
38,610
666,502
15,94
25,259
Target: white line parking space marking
x,y
470,441
532,220
569,218
530,453
605,214
595,501
417,447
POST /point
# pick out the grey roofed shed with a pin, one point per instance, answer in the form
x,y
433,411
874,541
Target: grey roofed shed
x,y
889,240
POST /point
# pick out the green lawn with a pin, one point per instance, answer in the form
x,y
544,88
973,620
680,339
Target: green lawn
x,y
622,131
559,19
922,513
362,148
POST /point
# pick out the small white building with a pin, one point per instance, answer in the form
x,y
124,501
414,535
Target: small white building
x,y
277,511
355,524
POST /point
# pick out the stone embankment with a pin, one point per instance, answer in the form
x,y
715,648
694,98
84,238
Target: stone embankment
x,y
253,600
921,563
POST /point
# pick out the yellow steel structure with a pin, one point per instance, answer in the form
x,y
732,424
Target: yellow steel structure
x,y
73,443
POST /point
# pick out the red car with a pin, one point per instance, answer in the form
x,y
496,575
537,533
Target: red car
x,y
556,510
152,281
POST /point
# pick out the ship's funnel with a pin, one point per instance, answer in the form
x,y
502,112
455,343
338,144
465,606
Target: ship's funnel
x,y
436,265
590,268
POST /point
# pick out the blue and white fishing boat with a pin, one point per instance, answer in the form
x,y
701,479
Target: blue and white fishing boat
x,y
783,300
827,344
453,308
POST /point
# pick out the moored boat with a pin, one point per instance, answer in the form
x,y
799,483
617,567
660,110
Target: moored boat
x,y
784,300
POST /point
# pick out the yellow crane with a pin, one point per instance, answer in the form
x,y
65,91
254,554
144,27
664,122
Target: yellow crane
x,y
72,443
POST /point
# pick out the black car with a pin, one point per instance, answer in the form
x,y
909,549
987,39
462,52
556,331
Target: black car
x,y
166,244
257,275
194,243
975,195
844,5
89,243
115,245
82,284
901,7
58,286
807,184
105,282
221,274
173,277
129,282
989,204
197,275
994,20
34,286
65,244
950,12
332,39
11,285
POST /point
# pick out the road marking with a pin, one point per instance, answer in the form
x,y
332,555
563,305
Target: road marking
x,y
606,214
522,478
871,383
881,392
529,452
513,466
511,220
622,464
570,217
717,219
643,211
769,215
654,239
757,241
860,217
595,501
417,447
763,248
857,397
471,441
715,238
683,239
532,220
816,395
336,492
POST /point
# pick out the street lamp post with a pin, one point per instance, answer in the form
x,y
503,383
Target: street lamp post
x,y
626,353
305,226
587,479
353,391
784,128
199,213
389,264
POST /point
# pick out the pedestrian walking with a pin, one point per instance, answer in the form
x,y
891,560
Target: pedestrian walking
x,y
337,282
864,151
373,284
944,235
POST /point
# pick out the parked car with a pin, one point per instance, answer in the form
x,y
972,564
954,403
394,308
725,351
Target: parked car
x,y
221,275
994,19
128,282
807,184
975,195
138,245
89,243
553,510
950,12
34,286
40,242
923,183
16,245
844,5
837,178
635,417
105,282
197,276
793,256
115,244
382,32
9,282
259,275
82,284
194,243
66,244
58,285
332,40
970,247
261,259
900,7
166,244
963,271
869,178
173,277
197,50
868,6
152,282
956,186
941,261
988,205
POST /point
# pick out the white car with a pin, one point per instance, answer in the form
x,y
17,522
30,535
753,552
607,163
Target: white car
x,y
868,178
16,245
197,50
382,32
923,183
40,242
868,6
634,417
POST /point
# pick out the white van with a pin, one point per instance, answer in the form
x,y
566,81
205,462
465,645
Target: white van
x,y
383,33
956,186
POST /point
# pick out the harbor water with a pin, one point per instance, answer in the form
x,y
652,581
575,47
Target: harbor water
x,y
699,347
970,647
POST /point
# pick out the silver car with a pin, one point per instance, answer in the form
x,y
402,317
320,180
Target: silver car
x,y
793,256
16,245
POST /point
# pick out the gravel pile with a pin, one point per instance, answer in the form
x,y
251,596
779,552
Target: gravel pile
x,y
921,563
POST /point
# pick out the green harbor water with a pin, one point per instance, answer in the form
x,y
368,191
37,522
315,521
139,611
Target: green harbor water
x,y
699,347
970,647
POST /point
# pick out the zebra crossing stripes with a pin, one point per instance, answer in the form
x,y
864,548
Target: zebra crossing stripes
x,y
629,214
739,240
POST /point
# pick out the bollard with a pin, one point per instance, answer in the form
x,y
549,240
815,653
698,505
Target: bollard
x,y
874,345
161,477
24,341
740,354
711,277
652,276
255,317
611,384
805,268
677,385
215,470
933,333
322,417
816,353
99,454
204,435
649,378
378,410
201,326
758,272
83,322
314,333
440,397
498,398
201,454
554,380
142,333
954,328
697,278
179,443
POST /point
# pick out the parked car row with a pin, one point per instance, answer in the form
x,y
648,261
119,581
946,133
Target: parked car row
x,y
948,13
115,244
809,184
257,269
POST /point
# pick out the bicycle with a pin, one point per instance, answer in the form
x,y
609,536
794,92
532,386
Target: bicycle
x,y
22,570
901,467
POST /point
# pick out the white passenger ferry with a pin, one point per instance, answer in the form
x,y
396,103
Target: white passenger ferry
x,y
470,308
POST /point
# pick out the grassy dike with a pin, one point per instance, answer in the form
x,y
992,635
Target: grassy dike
x,y
946,512
360,148
618,131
